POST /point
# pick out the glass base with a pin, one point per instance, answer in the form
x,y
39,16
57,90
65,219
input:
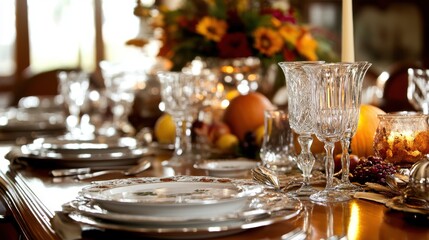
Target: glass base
x,y
177,161
348,186
303,192
330,196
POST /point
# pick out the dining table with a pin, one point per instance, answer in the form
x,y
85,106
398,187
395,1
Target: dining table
x,y
32,199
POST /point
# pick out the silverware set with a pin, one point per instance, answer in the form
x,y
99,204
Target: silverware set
x,y
88,173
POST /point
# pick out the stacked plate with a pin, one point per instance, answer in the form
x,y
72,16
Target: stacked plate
x,y
100,151
22,122
180,207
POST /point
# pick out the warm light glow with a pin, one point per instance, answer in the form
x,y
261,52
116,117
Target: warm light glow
x,y
352,230
224,104
227,69
404,135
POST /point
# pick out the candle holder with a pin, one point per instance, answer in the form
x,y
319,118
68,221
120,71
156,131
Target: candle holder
x,y
402,138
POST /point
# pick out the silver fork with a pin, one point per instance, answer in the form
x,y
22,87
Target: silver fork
x,y
295,234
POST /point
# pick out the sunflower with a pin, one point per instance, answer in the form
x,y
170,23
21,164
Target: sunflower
x,y
267,41
211,28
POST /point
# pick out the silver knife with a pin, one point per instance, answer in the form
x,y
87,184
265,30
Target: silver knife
x,y
69,172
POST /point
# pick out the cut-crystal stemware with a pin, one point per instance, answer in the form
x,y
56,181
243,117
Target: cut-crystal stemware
x,y
301,118
357,75
74,87
332,84
418,89
182,98
120,80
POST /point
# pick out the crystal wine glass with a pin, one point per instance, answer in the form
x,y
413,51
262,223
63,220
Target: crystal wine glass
x,y
331,87
182,97
120,80
301,118
358,72
418,89
74,86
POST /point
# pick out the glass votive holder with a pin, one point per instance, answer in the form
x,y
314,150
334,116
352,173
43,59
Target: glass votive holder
x,y
402,138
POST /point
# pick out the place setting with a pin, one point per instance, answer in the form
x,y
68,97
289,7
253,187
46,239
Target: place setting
x,y
179,207
71,153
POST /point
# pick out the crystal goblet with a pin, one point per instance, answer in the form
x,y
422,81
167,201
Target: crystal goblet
x,y
332,87
182,97
357,75
418,89
74,86
301,118
120,80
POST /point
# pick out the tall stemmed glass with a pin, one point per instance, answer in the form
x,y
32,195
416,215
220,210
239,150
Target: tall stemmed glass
x,y
418,89
120,80
358,72
181,95
301,118
331,88
74,87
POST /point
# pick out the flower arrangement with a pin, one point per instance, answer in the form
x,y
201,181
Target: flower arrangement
x,y
235,29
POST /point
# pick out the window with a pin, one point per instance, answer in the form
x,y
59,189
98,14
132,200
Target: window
x,y
7,37
63,34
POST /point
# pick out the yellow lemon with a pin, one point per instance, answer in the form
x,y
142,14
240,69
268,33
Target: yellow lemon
x,y
165,129
227,142
259,134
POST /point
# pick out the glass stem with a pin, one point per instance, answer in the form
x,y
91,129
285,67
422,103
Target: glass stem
x,y
329,164
305,158
345,160
182,144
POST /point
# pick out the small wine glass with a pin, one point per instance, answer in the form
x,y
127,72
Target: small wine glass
x,y
182,97
332,84
120,80
301,118
418,89
74,86
358,72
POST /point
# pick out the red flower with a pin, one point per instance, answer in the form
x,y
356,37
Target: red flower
x,y
280,15
289,55
234,45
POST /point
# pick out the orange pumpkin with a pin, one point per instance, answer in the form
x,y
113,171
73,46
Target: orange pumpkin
x,y
245,113
362,141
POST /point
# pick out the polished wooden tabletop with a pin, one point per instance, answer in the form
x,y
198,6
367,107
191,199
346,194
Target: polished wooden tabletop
x,y
33,197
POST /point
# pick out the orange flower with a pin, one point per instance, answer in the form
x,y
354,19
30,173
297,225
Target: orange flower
x,y
211,28
276,22
290,33
307,46
267,41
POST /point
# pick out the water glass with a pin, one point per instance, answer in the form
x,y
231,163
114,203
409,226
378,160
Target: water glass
x,y
277,150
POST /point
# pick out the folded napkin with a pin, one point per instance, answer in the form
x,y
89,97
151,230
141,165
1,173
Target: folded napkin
x,y
66,228
13,156
371,196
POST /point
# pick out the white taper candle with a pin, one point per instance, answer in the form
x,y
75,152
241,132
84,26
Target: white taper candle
x,y
347,41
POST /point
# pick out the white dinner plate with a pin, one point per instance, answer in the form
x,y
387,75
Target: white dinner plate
x,y
173,196
227,167
207,230
259,206
96,145
20,120
54,159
